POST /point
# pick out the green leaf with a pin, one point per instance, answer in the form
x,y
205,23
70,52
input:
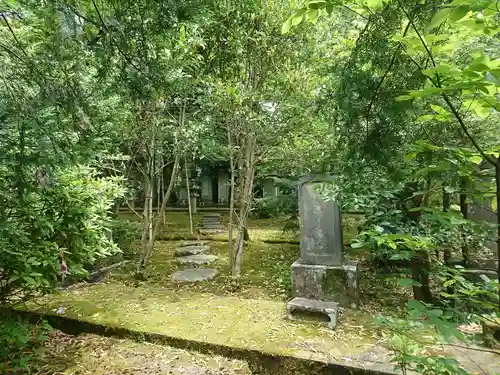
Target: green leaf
x,y
287,25
438,109
425,118
482,111
374,4
312,15
411,156
316,4
476,159
439,18
403,98
298,17
458,13
357,245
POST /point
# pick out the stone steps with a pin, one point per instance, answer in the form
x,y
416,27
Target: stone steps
x,y
192,253
211,224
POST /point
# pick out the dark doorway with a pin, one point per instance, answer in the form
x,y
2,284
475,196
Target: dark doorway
x,y
215,189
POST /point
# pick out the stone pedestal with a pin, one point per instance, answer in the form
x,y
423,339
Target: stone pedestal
x,y
327,283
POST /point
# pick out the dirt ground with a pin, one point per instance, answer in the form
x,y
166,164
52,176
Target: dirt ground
x,y
90,354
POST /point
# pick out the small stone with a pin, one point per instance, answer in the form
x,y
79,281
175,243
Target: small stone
x,y
194,274
190,250
197,259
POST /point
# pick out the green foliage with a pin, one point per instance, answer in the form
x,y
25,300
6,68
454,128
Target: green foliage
x,y
125,232
65,219
20,343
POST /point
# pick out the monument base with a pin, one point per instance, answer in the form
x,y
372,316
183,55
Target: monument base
x,y
327,283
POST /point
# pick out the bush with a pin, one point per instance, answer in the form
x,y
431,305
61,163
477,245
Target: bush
x,y
20,343
272,206
64,219
124,234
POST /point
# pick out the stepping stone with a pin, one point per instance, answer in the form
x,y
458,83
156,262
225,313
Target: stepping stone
x,y
212,214
213,226
194,274
211,222
197,259
330,309
210,231
190,250
193,243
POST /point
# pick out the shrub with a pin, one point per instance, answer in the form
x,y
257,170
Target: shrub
x,y
20,343
124,234
272,206
65,219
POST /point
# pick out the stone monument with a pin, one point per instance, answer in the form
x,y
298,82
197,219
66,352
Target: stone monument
x,y
321,279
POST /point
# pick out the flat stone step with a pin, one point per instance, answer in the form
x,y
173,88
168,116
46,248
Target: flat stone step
x,y
193,243
193,275
191,250
213,226
216,222
204,231
211,214
197,259
330,309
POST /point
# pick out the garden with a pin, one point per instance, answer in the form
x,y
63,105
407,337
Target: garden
x,y
249,187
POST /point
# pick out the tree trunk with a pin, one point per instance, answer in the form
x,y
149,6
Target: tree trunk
x,y
464,209
245,203
446,208
188,197
146,252
145,223
231,195
420,274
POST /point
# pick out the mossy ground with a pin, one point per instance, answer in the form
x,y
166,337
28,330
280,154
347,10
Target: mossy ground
x,y
221,320
247,313
177,226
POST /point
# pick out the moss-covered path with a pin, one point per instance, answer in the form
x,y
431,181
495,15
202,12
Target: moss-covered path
x,y
246,324
225,321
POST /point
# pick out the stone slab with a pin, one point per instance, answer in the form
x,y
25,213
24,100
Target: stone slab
x,y
204,221
210,231
191,250
211,214
197,259
193,274
327,283
321,239
212,226
193,243
330,309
